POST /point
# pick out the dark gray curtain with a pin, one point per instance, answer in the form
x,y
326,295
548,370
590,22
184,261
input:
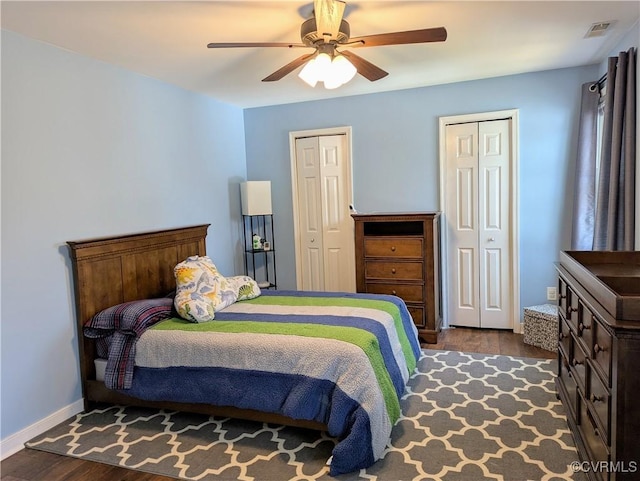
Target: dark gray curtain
x,y
614,226
585,187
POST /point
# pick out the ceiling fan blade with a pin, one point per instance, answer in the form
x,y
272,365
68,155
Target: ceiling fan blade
x,y
425,35
364,67
328,15
287,69
255,44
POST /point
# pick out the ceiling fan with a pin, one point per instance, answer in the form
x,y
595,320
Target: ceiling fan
x,y
328,33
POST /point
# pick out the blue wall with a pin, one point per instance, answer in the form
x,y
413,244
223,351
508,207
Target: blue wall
x,y
395,156
92,150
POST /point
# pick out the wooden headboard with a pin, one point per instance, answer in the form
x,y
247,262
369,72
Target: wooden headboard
x,y
113,270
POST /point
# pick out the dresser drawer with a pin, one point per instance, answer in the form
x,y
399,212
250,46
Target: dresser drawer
x,y
394,270
562,296
602,351
585,326
393,247
408,292
417,314
597,448
579,365
569,384
600,401
565,338
573,303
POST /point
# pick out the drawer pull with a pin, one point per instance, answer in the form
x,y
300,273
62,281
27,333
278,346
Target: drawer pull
x,y
393,292
563,296
393,248
393,271
595,399
577,363
571,309
597,349
582,327
562,335
596,432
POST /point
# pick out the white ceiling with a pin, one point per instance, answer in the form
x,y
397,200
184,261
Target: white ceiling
x,y
167,40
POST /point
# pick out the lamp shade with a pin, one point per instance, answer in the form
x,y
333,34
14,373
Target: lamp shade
x,y
256,197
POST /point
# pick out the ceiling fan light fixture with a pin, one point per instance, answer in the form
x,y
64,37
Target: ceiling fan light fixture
x,y
332,72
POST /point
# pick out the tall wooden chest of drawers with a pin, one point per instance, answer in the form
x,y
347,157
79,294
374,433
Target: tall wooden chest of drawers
x,y
399,254
599,359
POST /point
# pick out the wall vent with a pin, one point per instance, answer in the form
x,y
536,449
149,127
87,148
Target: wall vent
x,y
598,29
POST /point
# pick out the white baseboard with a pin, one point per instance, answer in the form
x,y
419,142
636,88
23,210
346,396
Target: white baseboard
x,y
14,443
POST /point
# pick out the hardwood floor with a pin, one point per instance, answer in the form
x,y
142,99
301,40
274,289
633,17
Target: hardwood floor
x,y
487,341
30,465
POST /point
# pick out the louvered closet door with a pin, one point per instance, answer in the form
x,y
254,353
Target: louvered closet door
x,y
477,214
325,223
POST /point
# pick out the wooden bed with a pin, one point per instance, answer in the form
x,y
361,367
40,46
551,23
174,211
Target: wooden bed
x,y
113,270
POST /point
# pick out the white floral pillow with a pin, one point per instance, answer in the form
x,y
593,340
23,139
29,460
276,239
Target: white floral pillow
x,y
201,290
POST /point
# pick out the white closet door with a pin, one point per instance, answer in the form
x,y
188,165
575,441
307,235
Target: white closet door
x,y
337,223
310,213
477,213
494,227
325,223
462,224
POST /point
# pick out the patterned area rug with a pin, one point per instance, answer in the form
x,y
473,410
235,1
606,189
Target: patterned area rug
x,y
466,417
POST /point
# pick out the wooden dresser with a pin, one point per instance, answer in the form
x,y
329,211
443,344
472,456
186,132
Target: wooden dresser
x,y
599,359
399,254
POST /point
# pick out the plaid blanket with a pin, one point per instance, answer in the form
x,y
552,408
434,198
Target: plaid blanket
x,y
121,326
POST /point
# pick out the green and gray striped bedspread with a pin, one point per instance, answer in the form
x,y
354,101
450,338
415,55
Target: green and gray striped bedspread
x,y
336,358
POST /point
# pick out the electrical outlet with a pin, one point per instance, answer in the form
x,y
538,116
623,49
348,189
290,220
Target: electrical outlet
x,y
552,294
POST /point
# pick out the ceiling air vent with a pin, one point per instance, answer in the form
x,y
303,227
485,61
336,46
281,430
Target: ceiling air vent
x,y
598,29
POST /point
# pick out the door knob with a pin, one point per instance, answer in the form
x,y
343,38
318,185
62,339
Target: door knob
x,y
492,239
313,240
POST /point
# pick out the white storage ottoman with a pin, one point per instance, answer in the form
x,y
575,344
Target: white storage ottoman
x,y
541,326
